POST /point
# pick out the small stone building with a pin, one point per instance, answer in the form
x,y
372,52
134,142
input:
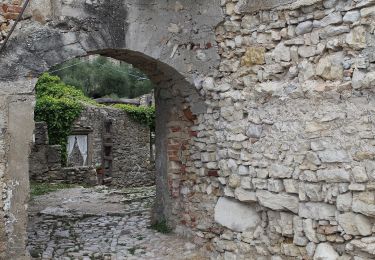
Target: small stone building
x,y
100,136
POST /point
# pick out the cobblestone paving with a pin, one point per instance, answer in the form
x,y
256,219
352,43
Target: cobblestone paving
x,y
99,223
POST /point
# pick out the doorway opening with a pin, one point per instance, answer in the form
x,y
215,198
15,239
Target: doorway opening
x,y
101,180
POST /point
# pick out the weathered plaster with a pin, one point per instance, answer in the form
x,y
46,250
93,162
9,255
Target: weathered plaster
x,y
20,131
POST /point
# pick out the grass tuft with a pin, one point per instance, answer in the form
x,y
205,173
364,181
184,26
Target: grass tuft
x,y
132,250
161,226
37,189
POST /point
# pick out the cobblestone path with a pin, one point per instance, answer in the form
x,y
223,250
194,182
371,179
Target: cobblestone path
x,y
99,223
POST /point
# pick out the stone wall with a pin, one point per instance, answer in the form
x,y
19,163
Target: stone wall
x,y
294,127
130,140
45,162
130,150
43,156
75,175
83,175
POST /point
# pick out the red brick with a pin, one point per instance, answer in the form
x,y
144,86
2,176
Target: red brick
x,y
175,188
193,133
175,193
173,141
14,9
184,146
175,129
11,16
173,158
189,115
213,173
174,146
4,8
172,153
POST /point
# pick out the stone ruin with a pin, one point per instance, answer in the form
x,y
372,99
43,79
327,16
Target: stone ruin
x,y
112,139
45,162
265,132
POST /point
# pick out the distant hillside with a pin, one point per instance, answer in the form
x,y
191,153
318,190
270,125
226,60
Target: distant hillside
x,y
104,77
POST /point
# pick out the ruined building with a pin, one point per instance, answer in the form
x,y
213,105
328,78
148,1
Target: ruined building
x,y
102,136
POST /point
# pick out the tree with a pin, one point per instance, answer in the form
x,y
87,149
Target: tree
x,y
103,77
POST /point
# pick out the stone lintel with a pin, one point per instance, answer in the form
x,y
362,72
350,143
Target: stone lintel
x,y
251,6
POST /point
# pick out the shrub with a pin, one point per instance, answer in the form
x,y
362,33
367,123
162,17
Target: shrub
x,y
142,114
161,226
58,105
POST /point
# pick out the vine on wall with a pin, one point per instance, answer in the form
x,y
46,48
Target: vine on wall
x,y
142,114
59,105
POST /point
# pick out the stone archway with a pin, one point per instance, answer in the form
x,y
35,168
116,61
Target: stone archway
x,y
178,105
289,89
172,52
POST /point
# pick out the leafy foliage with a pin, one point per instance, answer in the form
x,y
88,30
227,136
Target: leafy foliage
x,y
101,78
161,226
142,114
58,105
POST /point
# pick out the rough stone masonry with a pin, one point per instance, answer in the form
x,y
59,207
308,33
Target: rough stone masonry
x,y
265,110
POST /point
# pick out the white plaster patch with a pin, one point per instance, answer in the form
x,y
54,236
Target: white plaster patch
x,y
11,218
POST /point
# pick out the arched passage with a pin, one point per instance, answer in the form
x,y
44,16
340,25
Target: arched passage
x,y
174,122
172,42
177,106
289,118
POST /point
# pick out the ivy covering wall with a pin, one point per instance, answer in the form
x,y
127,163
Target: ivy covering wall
x,y
59,105
143,115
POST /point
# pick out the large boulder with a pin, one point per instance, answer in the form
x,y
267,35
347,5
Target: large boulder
x,y
235,215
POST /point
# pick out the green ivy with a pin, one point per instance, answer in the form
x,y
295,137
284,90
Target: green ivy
x,y
144,115
58,105
161,226
52,86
